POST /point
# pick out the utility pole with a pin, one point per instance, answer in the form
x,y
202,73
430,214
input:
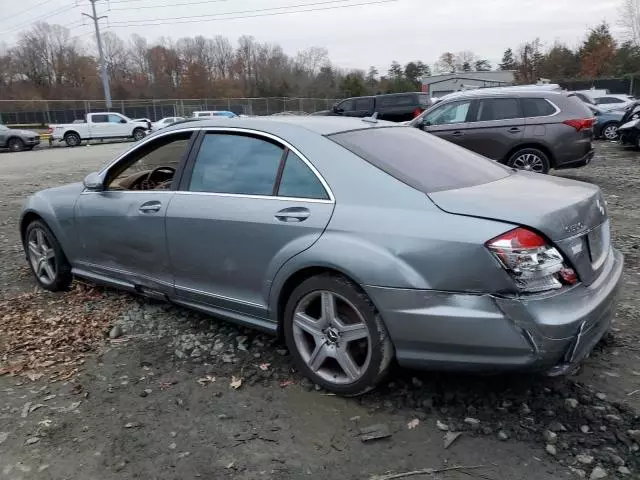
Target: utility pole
x,y
103,66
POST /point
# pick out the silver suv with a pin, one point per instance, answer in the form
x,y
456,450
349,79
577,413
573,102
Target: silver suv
x,y
527,129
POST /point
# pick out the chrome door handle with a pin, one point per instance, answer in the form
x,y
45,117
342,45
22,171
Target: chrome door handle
x,y
514,130
457,133
150,207
293,214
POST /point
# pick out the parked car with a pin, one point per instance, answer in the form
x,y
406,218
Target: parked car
x,y
164,122
17,140
357,240
607,122
614,101
103,125
396,107
214,113
629,129
585,98
527,129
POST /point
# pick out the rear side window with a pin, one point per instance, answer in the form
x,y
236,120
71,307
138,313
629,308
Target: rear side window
x,y
498,109
298,181
100,118
420,160
237,164
537,107
395,101
424,101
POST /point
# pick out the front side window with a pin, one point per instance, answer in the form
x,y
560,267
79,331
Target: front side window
x,y
346,106
151,166
115,119
364,103
238,164
299,181
448,114
491,109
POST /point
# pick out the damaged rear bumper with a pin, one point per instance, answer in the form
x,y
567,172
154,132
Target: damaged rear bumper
x,y
551,332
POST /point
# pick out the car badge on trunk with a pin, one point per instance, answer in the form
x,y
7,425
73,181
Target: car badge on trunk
x,y
600,207
574,227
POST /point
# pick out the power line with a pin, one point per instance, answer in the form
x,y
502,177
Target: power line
x,y
165,6
194,19
32,21
25,11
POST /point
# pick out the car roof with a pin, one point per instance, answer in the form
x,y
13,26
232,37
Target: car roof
x,y
287,124
533,92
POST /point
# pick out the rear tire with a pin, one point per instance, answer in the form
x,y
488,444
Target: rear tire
x,y
46,258
531,160
609,131
72,139
336,336
16,145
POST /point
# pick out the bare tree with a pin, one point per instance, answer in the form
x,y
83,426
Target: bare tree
x,y
630,20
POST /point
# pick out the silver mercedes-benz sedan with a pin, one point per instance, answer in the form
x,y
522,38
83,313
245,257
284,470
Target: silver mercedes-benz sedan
x,y
359,241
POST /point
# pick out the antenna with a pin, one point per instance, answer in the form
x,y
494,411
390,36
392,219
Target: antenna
x,y
372,119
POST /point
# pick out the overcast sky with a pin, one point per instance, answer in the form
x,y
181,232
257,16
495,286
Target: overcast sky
x,y
356,37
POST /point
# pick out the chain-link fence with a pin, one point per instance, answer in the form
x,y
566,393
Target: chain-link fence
x,y
45,112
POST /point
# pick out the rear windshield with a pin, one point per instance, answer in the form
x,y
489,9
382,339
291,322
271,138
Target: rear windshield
x,y
419,159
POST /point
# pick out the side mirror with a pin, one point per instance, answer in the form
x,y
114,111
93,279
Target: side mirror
x,y
93,182
122,120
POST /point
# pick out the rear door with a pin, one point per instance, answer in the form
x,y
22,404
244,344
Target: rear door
x,y
449,122
496,126
247,203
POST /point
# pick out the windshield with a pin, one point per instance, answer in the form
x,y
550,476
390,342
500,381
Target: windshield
x,y
419,159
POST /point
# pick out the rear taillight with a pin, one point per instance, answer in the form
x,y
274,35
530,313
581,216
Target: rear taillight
x,y
582,124
417,112
534,265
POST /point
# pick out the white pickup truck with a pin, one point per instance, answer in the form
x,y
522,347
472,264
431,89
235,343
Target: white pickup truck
x,y
102,125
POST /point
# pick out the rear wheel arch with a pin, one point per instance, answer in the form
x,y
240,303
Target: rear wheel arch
x,y
538,146
299,276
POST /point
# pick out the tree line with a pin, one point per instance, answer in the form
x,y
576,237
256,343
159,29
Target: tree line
x,y
47,62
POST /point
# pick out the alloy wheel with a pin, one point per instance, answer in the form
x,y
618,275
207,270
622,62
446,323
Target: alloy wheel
x,y
332,337
610,132
42,256
530,162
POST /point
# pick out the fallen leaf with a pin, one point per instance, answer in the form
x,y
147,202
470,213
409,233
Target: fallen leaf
x,y
236,383
165,385
206,379
450,437
34,376
264,366
286,383
413,424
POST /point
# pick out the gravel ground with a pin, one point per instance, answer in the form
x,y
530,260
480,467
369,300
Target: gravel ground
x,y
158,399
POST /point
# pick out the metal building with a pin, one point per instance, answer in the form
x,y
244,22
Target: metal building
x,y
439,85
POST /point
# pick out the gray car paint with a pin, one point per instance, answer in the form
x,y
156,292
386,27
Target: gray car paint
x,y
29,137
438,289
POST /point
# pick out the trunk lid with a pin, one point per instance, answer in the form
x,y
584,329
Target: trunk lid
x,y
571,214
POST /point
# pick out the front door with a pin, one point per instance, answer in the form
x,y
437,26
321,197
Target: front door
x,y
246,206
449,122
496,126
119,125
122,228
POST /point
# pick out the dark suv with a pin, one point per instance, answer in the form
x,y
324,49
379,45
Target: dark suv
x,y
531,130
396,107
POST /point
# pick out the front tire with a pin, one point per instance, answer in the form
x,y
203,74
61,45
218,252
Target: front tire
x,y
72,139
531,160
335,335
46,258
139,134
16,145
